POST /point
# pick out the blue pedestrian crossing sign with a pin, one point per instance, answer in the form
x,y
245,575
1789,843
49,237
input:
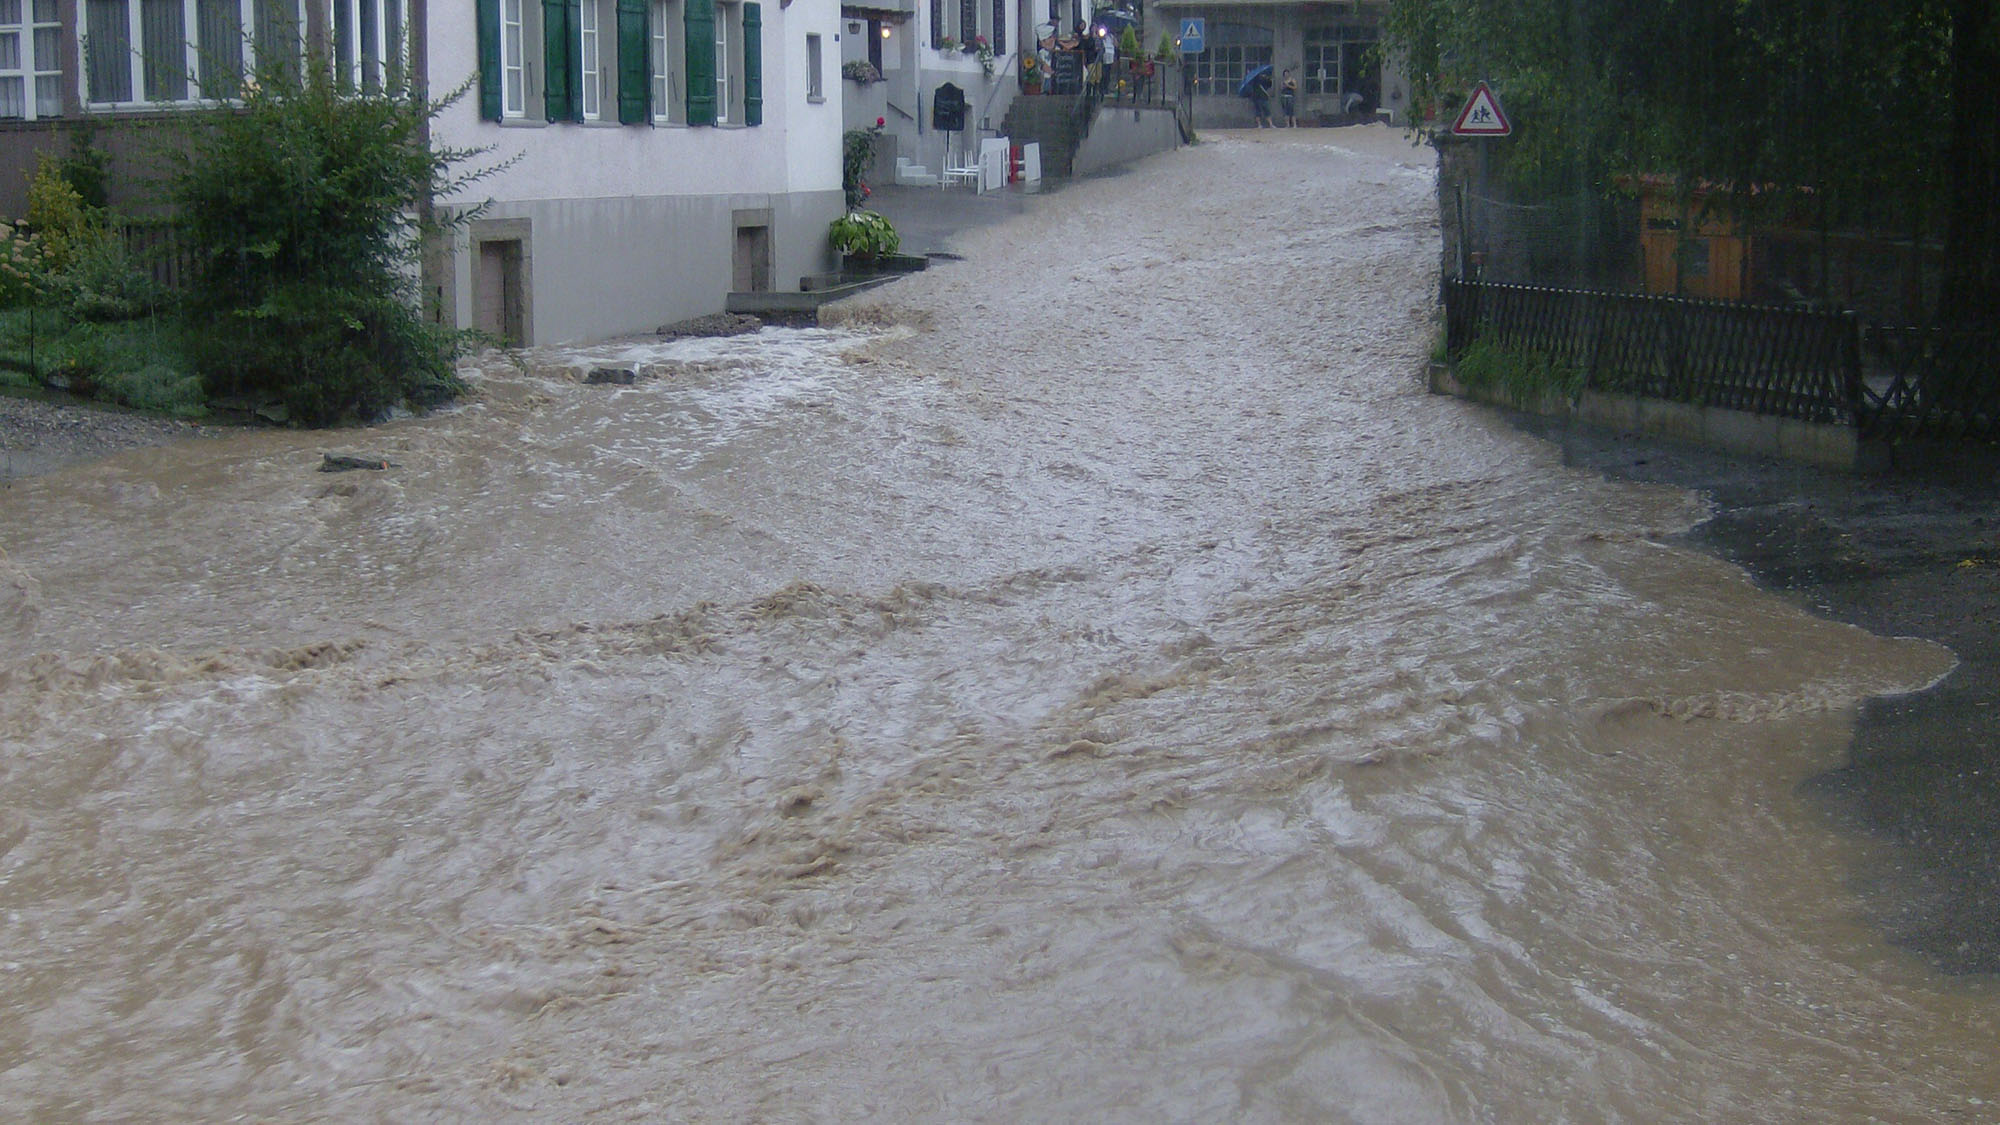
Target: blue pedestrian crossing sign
x,y
1192,28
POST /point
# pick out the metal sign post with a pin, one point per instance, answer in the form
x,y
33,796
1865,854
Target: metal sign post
x,y
1194,30
1481,117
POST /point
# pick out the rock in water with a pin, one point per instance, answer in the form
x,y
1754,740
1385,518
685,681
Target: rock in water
x,y
347,463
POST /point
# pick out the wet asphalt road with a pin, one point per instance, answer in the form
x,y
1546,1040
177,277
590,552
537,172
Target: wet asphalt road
x,y
1912,553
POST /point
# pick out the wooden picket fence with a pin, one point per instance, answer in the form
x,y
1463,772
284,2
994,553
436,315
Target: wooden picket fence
x,y
1826,367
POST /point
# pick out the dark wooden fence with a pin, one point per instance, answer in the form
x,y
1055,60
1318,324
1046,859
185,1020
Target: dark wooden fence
x,y
1814,366
156,250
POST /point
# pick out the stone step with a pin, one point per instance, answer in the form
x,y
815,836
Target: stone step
x,y
911,174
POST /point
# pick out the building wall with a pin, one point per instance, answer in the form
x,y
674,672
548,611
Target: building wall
x,y
1119,135
625,228
912,71
596,268
1287,22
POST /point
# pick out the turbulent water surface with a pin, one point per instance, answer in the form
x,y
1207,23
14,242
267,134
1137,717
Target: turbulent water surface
x,y
1089,681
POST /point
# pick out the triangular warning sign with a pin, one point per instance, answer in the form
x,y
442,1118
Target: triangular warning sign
x,y
1481,116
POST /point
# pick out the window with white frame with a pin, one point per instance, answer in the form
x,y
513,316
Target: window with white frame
x,y
815,84
1230,52
368,42
1332,54
959,22
30,67
186,50
667,33
727,67
590,59
514,57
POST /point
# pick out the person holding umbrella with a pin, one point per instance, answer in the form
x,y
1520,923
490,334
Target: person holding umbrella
x,y
1257,87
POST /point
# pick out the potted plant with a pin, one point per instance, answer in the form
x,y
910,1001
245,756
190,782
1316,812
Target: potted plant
x,y
860,70
1031,73
863,236
947,43
980,47
1134,55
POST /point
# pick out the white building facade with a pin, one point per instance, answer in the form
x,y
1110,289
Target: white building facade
x,y
665,153
916,47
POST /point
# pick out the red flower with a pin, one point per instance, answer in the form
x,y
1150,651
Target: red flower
x,y
881,121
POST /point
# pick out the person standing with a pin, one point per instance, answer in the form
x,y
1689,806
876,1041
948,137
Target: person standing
x,y
1260,99
1288,99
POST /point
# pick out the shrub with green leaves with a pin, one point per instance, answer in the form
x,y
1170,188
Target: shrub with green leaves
x,y
305,209
1523,378
20,267
64,228
857,153
864,234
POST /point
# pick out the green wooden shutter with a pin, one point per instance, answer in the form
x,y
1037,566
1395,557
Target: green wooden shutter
x,y
635,62
561,58
489,60
753,64
700,24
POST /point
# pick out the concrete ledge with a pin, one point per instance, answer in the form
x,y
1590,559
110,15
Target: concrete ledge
x,y
800,306
1814,443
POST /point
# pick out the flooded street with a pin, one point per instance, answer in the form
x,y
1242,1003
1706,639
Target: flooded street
x,y
1088,681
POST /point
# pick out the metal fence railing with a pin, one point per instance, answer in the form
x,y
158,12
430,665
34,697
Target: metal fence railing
x,y
1815,366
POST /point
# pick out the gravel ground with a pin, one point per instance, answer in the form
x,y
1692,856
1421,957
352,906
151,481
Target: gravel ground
x,y
41,435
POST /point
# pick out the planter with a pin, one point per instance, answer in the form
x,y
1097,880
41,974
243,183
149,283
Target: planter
x,y
882,263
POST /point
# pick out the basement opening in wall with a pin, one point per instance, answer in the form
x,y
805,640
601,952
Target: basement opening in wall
x,y
753,252
499,291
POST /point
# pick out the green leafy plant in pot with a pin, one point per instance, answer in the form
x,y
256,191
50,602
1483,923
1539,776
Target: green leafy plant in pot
x,y
863,235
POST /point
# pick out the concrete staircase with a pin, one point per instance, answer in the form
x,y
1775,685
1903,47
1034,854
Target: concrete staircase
x,y
911,174
1049,120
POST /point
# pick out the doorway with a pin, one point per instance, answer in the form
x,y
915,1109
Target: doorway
x,y
751,258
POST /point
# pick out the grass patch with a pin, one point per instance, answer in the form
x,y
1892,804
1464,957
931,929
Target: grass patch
x,y
133,363
1522,378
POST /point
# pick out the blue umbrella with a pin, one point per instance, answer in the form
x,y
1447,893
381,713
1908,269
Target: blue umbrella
x,y
1251,78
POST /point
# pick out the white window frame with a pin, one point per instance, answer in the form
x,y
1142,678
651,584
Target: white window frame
x,y
362,64
590,59
815,68
726,63
35,23
667,33
191,62
1335,39
514,92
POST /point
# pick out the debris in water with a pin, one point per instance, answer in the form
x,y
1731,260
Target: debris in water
x,y
347,463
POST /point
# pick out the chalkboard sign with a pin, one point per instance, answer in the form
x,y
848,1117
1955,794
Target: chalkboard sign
x,y
948,109
1068,68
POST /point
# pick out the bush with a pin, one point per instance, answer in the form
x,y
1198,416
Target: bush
x,y
856,155
328,354
64,228
1523,378
305,209
20,267
134,363
863,234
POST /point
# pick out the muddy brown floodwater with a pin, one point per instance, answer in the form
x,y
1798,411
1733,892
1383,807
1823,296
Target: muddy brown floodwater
x,y
1089,681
